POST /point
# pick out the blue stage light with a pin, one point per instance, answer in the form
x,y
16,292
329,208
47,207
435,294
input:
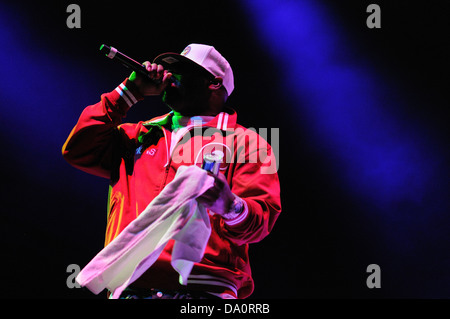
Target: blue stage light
x,y
349,111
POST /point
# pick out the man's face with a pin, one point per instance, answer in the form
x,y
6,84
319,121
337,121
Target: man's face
x,y
190,97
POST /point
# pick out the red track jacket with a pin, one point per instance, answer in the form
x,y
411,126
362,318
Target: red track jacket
x,y
137,160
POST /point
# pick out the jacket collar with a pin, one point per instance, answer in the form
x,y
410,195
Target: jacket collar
x,y
225,120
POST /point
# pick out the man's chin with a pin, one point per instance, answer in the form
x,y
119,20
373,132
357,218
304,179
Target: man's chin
x,y
178,104
182,110
171,101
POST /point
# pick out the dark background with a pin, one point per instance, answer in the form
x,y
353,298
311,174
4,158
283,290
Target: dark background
x,y
54,215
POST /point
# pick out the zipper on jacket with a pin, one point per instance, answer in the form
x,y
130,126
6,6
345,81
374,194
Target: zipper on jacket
x,y
168,159
167,146
166,174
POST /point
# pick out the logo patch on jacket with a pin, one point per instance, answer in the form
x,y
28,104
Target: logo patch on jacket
x,y
151,151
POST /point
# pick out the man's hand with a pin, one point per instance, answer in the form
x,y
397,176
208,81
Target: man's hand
x,y
147,87
218,198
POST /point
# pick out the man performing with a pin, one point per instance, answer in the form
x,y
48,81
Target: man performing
x,y
141,159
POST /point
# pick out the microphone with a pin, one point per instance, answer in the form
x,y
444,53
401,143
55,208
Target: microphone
x,y
128,62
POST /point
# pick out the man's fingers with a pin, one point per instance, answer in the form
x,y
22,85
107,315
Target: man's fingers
x,y
166,78
156,73
156,70
159,71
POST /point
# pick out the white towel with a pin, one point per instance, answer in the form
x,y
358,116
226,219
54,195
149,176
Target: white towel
x,y
173,214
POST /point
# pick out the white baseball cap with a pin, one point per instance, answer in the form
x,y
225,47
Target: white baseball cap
x,y
199,58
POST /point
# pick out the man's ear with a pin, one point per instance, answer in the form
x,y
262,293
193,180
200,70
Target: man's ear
x,y
216,83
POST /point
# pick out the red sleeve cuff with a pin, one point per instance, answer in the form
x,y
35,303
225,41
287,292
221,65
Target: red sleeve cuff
x,y
129,92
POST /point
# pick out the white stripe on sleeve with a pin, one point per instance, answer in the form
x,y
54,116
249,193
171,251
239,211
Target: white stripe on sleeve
x,y
128,93
124,96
